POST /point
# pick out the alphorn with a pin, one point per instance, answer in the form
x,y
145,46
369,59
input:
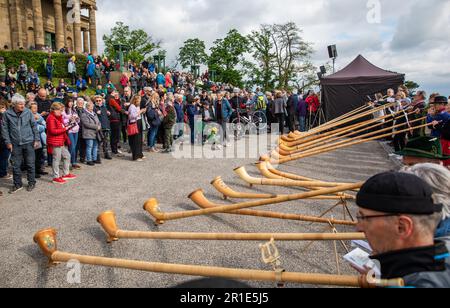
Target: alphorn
x,y
355,138
206,204
334,125
334,148
46,240
227,192
108,222
334,133
243,174
294,136
152,207
285,150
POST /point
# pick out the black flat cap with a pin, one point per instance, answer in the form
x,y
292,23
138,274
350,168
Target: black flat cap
x,y
397,193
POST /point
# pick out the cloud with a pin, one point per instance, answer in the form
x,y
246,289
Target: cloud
x,y
412,36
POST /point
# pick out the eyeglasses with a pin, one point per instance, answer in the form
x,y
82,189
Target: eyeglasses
x,y
362,217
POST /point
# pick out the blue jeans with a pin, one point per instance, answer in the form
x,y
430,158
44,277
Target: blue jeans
x,y
49,69
302,121
91,150
73,148
152,136
4,156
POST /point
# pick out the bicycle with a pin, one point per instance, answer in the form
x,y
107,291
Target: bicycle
x,y
248,120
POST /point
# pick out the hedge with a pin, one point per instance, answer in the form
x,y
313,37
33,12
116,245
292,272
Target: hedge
x,y
35,59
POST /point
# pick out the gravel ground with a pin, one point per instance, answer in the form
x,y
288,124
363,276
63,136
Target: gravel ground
x,y
124,186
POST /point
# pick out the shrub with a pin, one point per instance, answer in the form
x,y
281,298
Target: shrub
x,y
35,59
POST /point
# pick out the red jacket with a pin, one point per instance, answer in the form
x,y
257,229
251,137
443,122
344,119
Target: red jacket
x,y
313,103
56,133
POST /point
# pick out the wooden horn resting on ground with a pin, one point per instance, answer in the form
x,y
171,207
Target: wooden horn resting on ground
x,y
334,147
206,204
227,192
151,205
243,174
108,221
46,240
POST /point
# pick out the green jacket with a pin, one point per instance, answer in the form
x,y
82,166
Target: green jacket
x,y
171,118
3,70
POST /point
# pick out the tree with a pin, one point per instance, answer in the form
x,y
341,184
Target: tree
x,y
192,53
140,44
226,55
292,52
262,51
411,85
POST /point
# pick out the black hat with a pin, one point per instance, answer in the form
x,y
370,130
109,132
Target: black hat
x,y
397,193
440,100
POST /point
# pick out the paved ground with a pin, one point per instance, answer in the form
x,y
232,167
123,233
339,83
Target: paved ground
x,y
124,186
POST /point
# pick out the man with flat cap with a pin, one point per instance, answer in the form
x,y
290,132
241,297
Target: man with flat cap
x,y
439,120
399,218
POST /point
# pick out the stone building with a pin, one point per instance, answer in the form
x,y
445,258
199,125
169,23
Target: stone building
x,y
33,24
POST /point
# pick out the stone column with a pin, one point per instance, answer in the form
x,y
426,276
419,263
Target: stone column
x,y
59,25
93,30
38,22
15,25
85,40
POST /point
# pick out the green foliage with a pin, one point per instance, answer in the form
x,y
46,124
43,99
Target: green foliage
x,y
35,59
411,85
140,44
226,55
263,72
192,53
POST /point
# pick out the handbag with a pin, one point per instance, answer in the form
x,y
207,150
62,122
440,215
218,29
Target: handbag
x,y
132,129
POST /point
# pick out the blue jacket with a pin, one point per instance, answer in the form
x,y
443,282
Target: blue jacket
x,y
191,112
81,84
443,229
91,69
442,117
227,111
19,130
179,112
160,79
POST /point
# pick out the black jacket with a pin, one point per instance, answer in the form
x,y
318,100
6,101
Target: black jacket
x,y
102,113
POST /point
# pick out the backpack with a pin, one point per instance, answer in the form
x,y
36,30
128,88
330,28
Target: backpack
x,y
261,103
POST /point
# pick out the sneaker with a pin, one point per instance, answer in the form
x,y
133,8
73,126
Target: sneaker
x,y
69,177
31,187
6,177
76,167
90,163
139,160
119,152
15,189
98,162
59,181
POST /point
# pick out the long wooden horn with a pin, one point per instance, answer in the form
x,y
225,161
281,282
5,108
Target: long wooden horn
x,y
152,204
243,174
227,192
370,134
54,256
108,222
206,204
334,147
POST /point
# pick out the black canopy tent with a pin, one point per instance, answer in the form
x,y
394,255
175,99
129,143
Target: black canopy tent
x,y
348,89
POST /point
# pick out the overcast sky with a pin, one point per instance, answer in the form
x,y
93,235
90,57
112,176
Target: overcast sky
x,y
411,37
